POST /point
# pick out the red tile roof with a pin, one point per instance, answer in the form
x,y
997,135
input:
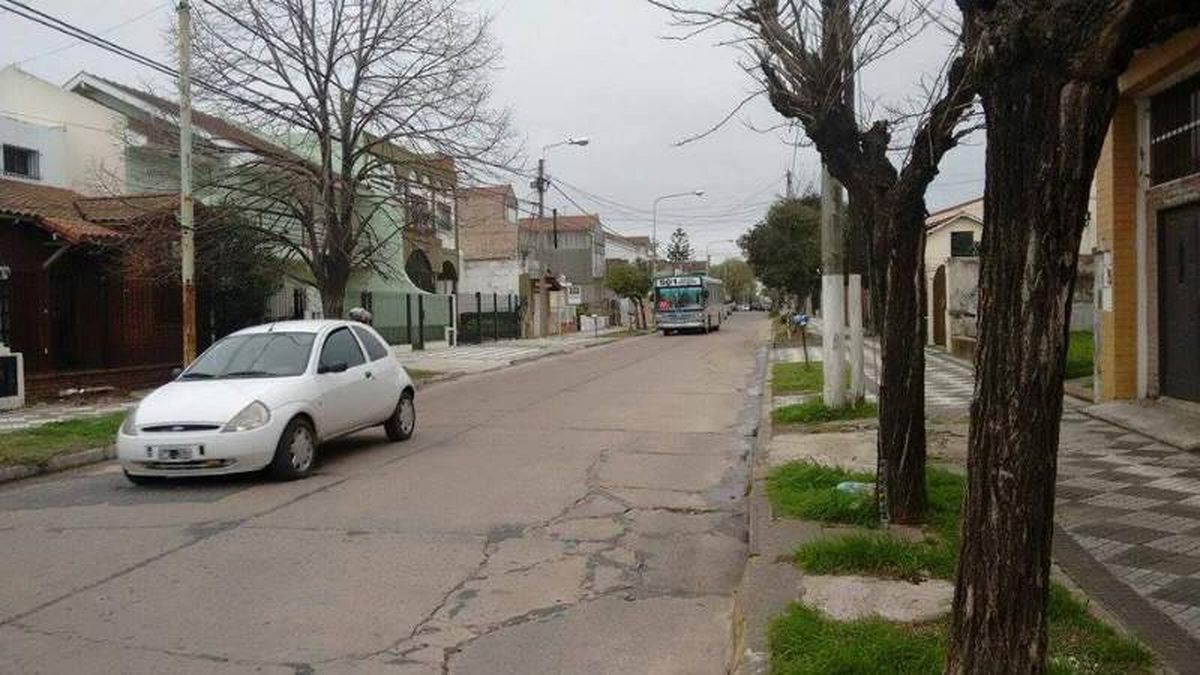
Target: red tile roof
x,y
76,218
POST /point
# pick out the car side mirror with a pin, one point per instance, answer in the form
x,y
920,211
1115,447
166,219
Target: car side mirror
x,y
336,367
176,372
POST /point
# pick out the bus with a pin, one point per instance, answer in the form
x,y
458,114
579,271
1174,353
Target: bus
x,y
688,302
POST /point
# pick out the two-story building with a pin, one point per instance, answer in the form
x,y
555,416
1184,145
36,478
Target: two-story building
x,y
572,248
489,241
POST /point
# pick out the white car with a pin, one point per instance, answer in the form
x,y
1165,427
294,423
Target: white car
x,y
265,398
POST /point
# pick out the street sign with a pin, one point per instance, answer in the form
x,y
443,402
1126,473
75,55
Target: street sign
x,y
574,295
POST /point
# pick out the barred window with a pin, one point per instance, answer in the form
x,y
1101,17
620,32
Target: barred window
x,y
22,162
1175,132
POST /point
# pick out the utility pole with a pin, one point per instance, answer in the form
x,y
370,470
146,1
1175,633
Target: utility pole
x,y
540,185
187,243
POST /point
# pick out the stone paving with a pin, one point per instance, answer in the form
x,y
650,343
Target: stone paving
x,y
1134,505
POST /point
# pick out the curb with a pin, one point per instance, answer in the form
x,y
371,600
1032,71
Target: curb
x,y
58,463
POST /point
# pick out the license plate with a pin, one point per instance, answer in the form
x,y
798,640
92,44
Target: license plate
x,y
174,453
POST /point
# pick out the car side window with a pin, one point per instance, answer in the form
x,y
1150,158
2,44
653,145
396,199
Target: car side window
x,y
341,347
375,349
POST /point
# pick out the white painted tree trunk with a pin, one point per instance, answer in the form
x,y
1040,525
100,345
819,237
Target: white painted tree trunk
x,y
833,310
858,384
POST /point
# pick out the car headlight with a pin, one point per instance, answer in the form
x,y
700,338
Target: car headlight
x,y
252,416
129,426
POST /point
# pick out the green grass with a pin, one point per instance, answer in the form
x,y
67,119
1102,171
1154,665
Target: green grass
x,y
809,491
36,445
815,412
883,555
804,641
1079,355
419,376
790,378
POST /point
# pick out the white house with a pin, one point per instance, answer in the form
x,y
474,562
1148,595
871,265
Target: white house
x,y
952,239
51,136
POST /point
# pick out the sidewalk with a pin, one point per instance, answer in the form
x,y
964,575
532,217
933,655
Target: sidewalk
x,y
1128,507
439,357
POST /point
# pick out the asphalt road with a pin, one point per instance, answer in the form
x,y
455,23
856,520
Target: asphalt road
x,y
579,514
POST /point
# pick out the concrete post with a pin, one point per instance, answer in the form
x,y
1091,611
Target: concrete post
x,y
858,384
833,330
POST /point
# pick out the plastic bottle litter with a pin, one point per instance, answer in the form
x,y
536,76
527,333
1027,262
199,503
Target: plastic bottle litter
x,y
855,488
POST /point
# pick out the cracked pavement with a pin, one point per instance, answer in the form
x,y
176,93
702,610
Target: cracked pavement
x,y
579,514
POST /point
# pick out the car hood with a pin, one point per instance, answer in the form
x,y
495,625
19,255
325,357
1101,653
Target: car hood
x,y
213,402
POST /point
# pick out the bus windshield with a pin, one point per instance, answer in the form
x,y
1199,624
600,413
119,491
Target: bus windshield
x,y
680,297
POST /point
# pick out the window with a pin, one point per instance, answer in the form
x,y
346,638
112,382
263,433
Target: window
x,y
375,349
21,162
1175,132
340,347
962,244
443,216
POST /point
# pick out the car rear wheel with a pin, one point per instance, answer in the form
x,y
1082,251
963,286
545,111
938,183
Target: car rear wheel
x,y
296,452
400,425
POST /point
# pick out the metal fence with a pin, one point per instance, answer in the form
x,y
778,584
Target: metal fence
x,y
407,318
486,317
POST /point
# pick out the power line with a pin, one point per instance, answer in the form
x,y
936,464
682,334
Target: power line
x,y
68,45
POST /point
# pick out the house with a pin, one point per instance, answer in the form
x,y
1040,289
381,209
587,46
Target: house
x,y
629,249
1147,214
489,241
67,301
424,259
572,248
51,136
952,239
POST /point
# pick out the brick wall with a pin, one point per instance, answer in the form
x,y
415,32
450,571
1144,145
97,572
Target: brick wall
x,y
1116,199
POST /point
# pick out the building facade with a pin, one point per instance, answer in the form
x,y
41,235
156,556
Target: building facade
x,y
571,248
1147,214
489,241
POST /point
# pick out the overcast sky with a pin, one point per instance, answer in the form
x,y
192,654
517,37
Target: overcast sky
x,y
599,68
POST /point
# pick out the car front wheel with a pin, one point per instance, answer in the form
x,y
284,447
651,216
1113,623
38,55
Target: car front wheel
x,y
296,451
400,425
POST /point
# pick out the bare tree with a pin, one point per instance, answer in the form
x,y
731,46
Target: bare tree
x,y
1047,75
347,102
806,56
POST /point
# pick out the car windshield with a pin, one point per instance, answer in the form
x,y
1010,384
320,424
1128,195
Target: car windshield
x,y
253,355
680,297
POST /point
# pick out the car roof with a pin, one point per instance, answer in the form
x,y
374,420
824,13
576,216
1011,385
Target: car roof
x,y
301,326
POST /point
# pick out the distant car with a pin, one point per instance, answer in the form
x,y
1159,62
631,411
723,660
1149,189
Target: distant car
x,y
265,398
743,308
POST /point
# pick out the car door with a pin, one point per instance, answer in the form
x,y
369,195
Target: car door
x,y
383,378
342,375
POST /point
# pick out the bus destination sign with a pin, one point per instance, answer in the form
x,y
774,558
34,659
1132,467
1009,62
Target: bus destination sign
x,y
672,282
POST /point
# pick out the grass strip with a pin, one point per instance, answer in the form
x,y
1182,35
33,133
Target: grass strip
x,y
815,411
36,445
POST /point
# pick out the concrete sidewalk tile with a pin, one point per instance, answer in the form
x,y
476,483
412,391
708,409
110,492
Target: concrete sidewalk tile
x,y
1185,544
1128,534
1123,501
1159,521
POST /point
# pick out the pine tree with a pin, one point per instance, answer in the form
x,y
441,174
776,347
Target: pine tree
x,y
679,250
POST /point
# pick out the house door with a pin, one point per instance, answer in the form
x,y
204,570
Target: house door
x,y
1179,302
939,306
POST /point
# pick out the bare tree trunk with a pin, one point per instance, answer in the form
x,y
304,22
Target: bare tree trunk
x,y
1036,207
901,441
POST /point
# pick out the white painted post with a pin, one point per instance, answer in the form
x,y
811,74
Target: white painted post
x,y
858,384
833,313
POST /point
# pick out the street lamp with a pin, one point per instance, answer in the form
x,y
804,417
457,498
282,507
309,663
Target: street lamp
x,y
654,225
541,184
708,249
